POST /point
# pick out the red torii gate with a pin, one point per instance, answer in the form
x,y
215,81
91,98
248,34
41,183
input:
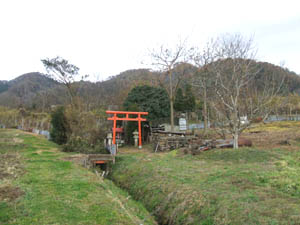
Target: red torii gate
x,y
138,118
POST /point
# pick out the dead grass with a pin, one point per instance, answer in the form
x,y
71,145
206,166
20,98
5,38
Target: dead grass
x,y
77,158
10,193
129,149
283,135
258,185
41,151
274,126
10,166
11,140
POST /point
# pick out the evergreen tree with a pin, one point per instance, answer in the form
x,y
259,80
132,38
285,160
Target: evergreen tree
x,y
149,99
189,99
185,102
179,104
59,129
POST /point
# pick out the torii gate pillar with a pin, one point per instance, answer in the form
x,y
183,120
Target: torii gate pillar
x,y
139,119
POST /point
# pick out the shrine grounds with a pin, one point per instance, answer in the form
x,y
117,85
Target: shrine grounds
x,y
257,185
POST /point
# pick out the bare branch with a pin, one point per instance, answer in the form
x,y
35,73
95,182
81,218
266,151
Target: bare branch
x,y
166,61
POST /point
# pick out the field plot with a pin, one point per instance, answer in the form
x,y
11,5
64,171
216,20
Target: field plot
x,y
38,187
257,185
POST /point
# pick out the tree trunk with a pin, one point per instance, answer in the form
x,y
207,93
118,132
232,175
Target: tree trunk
x,y
171,99
172,114
235,128
236,140
205,110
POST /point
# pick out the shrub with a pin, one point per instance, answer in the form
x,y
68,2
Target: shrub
x,y
59,130
81,145
79,130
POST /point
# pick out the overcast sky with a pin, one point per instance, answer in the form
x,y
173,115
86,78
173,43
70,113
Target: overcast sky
x,y
104,38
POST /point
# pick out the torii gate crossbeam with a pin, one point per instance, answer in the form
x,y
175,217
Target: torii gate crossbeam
x,y
139,119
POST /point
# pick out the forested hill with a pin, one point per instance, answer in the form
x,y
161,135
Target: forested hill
x,y
24,89
116,88
291,79
34,90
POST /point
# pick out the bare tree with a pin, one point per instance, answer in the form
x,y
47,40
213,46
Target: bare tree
x,y
166,60
203,79
238,94
42,97
62,71
261,94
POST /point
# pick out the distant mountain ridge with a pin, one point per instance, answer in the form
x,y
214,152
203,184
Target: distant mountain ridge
x,y
37,90
23,89
35,77
3,86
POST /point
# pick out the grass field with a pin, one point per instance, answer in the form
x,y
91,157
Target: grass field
x,y
257,185
38,187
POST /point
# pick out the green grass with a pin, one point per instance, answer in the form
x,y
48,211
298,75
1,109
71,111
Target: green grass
x,y
222,186
61,192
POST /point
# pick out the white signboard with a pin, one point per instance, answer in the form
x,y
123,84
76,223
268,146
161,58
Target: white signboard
x,y
182,124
